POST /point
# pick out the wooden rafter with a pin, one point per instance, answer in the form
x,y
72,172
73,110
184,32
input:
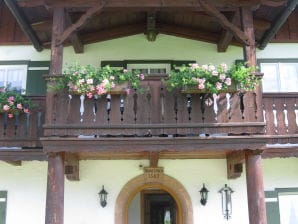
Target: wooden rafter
x,y
24,24
227,36
222,20
74,37
81,22
253,3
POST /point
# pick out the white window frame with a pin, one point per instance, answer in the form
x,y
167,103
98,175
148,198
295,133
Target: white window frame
x,y
278,83
150,66
22,67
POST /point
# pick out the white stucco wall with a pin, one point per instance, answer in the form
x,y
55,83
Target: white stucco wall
x,y
26,186
137,47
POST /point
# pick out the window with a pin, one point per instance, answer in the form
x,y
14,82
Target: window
x,y
282,206
3,198
279,76
151,69
14,76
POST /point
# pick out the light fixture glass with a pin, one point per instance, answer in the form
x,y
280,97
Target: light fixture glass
x,y
226,201
103,197
204,195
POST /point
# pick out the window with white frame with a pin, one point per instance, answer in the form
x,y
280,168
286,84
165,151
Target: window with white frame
x,y
279,76
3,199
14,76
151,69
288,207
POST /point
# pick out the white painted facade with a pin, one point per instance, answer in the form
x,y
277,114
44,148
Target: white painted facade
x,y
26,186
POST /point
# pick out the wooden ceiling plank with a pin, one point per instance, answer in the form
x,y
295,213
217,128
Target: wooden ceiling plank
x,y
227,36
74,37
30,3
222,20
24,24
81,22
268,36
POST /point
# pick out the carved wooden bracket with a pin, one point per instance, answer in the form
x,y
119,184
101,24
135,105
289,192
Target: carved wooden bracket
x,y
222,20
72,167
74,37
81,21
235,162
14,163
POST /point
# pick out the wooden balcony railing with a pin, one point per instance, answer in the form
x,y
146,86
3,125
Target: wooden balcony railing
x,y
156,112
280,114
25,129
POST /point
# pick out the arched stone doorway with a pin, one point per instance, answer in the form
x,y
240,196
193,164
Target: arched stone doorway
x,y
161,181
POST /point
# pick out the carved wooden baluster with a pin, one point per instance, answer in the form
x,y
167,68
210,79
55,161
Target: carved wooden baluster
x,y
135,106
188,105
274,118
94,108
241,96
176,111
82,107
5,121
285,111
264,116
122,106
149,97
296,113
255,105
38,122
215,105
108,98
68,107
16,123
162,104
203,98
228,97
27,124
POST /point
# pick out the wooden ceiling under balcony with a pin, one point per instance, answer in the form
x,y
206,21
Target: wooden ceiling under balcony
x,y
183,18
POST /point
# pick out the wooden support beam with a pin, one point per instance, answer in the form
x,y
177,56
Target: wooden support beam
x,y
282,18
222,20
55,189
255,188
154,157
254,3
81,22
74,37
72,167
227,36
235,162
14,163
24,24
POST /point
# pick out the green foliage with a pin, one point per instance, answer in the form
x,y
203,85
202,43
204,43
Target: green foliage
x,y
89,81
211,78
13,103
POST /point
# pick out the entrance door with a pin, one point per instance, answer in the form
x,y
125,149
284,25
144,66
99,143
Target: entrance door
x,y
159,207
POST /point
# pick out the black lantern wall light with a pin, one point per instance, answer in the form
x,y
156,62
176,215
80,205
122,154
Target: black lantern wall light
x,y
204,195
226,201
103,197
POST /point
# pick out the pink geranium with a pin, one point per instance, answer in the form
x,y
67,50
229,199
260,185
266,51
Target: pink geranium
x,y
19,106
218,85
6,107
10,116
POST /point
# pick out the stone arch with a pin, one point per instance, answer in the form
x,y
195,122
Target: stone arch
x,y
167,183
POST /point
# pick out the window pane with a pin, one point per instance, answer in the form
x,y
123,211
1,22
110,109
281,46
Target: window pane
x,y
15,78
288,77
2,77
270,80
288,206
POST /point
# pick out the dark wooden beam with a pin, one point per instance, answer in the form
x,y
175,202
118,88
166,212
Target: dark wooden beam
x,y
235,162
224,22
255,188
22,155
55,189
282,18
255,3
72,167
74,37
154,157
227,36
30,3
24,24
81,22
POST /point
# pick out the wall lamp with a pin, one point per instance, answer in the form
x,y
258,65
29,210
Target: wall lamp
x,y
204,195
226,201
103,197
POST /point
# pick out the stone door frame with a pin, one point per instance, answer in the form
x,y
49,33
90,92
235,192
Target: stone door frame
x,y
164,182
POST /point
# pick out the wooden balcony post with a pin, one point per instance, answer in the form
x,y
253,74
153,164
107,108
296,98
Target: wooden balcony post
x,y
255,188
56,59
55,189
249,55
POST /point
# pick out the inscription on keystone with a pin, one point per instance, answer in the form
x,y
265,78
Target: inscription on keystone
x,y
153,174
